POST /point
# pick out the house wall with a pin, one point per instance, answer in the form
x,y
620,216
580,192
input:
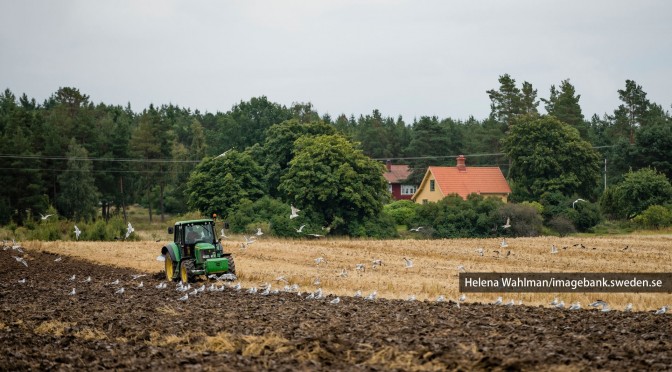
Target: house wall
x,y
396,192
424,193
504,197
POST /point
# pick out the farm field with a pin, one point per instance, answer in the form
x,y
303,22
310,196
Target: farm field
x,y
43,326
435,264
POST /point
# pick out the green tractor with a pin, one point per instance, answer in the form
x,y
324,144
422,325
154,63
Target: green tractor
x,y
195,251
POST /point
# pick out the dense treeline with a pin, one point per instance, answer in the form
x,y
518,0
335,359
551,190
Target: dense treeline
x,y
84,161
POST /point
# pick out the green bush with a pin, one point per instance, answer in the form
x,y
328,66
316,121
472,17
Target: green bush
x,y
401,211
562,225
525,219
654,217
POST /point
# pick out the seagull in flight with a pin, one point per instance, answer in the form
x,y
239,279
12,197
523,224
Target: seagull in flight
x,y
77,232
295,212
576,201
43,217
409,262
129,230
259,232
507,224
300,229
417,229
222,235
21,260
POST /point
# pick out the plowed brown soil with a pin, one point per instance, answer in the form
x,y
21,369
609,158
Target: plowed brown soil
x,y
43,327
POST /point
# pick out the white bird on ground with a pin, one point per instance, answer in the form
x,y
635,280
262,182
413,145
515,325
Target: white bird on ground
x,y
410,298
73,277
560,305
409,262
193,293
228,277
343,273
142,284
114,282
87,280
507,224
576,201
463,297
295,212
236,287
460,268
316,281
281,279
259,232
360,267
320,260
22,281
480,251
372,296
252,290
300,229
358,294
417,229
184,298
335,300
58,259
503,244
628,307
17,247
555,302
598,303
21,260
45,217
662,310
129,230
120,290
575,306
318,294
376,263
161,285
78,232
554,249
440,299
498,301
72,293
510,303
136,276
161,258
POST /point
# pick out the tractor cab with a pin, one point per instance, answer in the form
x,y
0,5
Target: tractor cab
x,y
195,251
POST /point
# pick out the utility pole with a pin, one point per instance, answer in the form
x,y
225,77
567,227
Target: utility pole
x,y
605,174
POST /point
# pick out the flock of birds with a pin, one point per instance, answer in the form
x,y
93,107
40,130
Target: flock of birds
x,y
266,288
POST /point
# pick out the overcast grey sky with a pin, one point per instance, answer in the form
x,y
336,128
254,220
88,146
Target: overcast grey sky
x,y
409,58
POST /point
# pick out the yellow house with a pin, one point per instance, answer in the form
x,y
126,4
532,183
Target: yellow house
x,y
440,182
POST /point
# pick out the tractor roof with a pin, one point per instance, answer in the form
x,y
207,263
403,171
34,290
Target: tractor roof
x,y
197,222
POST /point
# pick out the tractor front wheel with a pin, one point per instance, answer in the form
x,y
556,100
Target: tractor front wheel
x,y
170,269
186,269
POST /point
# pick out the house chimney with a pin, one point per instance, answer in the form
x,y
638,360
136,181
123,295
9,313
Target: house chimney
x,y
460,163
388,164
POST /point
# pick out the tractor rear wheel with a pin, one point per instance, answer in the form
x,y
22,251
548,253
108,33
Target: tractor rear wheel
x,y
170,269
186,269
232,265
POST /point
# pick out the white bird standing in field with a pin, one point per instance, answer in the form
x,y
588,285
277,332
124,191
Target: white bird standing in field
x,y
480,251
360,267
554,249
142,284
77,232
87,280
409,262
22,281
503,244
358,294
376,263
575,306
72,278
372,296
259,232
295,212
184,298
440,299
320,260
343,273
114,282
335,300
463,297
410,298
120,290
58,259
510,303
555,302
461,269
498,301
662,310
560,305
628,307
72,293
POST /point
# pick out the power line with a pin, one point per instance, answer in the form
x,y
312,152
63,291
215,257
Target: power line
x,y
132,160
94,170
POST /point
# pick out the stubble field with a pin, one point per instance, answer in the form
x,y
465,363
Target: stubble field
x,y
45,327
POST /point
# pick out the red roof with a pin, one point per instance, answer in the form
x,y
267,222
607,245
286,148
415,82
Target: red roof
x,y
397,173
480,180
